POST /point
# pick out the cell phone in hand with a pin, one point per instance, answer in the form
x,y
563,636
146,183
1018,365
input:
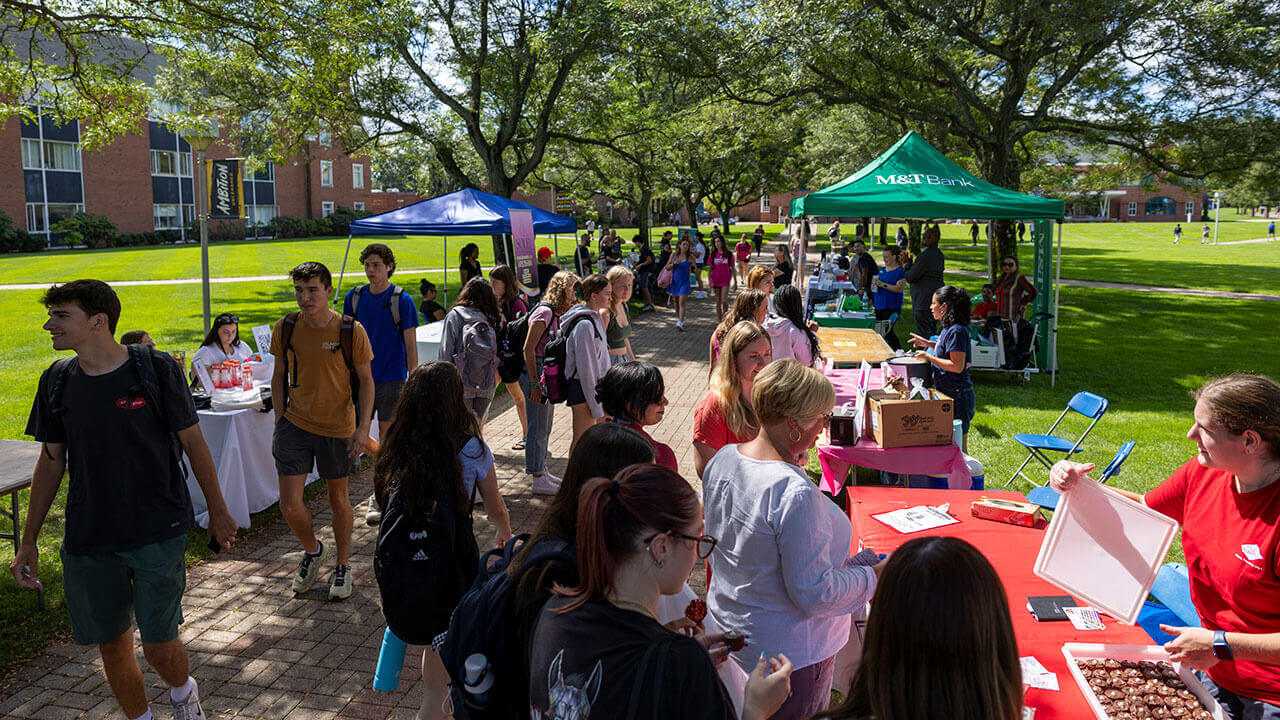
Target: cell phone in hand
x,y
214,545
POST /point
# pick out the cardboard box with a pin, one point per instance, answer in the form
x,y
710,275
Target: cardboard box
x,y
909,423
1005,511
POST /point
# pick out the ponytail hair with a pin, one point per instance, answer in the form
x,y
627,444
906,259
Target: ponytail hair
x,y
614,517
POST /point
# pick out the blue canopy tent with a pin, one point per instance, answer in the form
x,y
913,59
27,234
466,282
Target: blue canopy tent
x,y
465,212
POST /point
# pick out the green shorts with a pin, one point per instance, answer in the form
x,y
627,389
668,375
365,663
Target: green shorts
x,y
103,590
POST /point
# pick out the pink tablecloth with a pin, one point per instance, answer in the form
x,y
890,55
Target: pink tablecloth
x,y
930,460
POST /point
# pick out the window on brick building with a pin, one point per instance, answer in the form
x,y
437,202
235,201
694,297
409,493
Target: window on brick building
x,y
325,138
50,155
764,203
1191,207
357,205
326,173
1160,205
1133,209
326,208
357,176
164,162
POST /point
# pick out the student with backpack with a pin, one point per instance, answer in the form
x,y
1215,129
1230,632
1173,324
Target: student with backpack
x,y
118,417
586,352
322,394
387,314
496,618
470,341
506,291
542,324
430,469
598,647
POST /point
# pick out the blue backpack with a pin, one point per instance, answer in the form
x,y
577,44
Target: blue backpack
x,y
484,624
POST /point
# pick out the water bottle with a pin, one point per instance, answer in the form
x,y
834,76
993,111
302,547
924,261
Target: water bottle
x,y
476,679
386,677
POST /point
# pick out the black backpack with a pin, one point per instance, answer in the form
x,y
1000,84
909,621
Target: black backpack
x,y
423,566
346,343
511,346
484,623
556,358
147,385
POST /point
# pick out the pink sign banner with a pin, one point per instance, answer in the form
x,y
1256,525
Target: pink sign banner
x,y
523,241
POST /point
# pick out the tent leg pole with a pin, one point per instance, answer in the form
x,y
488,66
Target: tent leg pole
x,y
446,271
555,237
337,295
1057,284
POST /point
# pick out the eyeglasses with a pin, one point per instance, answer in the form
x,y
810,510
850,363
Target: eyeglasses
x,y
706,543
224,319
1013,265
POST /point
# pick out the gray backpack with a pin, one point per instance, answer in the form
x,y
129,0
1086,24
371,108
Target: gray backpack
x,y
477,356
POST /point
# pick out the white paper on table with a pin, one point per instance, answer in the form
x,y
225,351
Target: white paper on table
x,y
1105,549
1036,675
262,338
915,519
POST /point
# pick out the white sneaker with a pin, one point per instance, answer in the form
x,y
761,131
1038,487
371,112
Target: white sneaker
x,y
189,708
309,569
545,484
373,516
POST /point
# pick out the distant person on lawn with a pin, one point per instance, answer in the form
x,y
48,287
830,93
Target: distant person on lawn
x,y
318,425
119,417
1177,233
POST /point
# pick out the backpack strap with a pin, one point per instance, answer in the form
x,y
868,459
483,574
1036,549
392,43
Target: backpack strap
x,y
144,359
656,653
59,372
396,292
346,341
355,294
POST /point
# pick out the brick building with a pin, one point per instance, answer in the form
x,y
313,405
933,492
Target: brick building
x,y
1157,201
143,181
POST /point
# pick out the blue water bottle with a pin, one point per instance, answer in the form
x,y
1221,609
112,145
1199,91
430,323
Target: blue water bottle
x,y
386,677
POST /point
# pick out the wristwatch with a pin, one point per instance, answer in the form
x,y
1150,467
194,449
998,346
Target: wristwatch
x,y
1221,649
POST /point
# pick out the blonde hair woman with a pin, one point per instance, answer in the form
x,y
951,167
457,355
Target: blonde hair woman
x,y
724,416
544,321
617,320
778,573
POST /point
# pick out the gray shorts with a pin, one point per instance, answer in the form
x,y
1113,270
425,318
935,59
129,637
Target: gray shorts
x,y
385,395
297,450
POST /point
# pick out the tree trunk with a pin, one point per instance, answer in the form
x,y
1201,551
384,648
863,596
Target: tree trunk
x,y
915,229
866,232
998,164
646,199
884,232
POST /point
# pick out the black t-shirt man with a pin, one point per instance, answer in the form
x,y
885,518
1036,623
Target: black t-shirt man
x,y
546,271
582,260
126,486
586,661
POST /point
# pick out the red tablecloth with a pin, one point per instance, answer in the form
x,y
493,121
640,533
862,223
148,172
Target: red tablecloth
x,y
1012,551
930,460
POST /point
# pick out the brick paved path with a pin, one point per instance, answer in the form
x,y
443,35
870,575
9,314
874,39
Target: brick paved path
x,y
259,652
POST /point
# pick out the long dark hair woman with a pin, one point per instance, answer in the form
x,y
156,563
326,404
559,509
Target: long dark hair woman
x,y
939,640
788,331
507,292
949,354
475,304
639,535
469,263
433,457
222,342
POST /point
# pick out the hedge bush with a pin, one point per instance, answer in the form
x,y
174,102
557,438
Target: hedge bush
x,y
15,239
88,229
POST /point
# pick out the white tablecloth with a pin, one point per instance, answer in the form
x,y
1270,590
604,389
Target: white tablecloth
x,y
240,443
429,338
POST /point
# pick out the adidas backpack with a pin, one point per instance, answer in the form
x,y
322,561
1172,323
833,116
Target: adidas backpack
x,y
423,564
484,624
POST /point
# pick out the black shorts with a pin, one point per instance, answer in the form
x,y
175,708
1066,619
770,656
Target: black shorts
x,y
385,395
296,451
576,396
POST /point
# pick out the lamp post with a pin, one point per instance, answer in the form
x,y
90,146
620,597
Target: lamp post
x,y
200,138
553,176
1217,213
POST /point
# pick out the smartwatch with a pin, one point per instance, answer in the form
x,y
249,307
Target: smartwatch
x,y
1221,649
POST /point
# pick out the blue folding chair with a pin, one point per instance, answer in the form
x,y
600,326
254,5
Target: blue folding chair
x,y
1047,498
1085,403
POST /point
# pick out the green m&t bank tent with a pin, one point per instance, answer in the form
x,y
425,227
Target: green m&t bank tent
x,y
913,180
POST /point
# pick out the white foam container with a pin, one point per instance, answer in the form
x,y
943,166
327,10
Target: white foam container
x,y
1105,549
1154,653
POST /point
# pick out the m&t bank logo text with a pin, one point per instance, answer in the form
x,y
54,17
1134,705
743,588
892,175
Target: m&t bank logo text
x,y
921,179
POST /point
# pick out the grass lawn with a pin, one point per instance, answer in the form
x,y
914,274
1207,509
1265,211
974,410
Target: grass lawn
x,y
1143,352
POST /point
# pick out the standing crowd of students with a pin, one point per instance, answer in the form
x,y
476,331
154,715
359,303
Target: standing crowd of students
x,y
595,621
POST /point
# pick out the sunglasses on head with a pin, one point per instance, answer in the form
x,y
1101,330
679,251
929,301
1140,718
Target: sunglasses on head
x,y
225,319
